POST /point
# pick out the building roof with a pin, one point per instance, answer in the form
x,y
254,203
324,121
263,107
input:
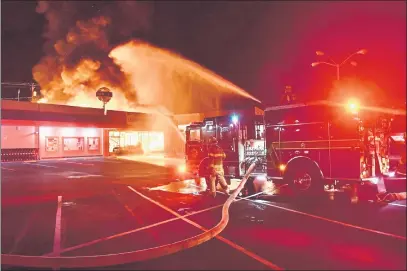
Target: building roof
x,y
26,113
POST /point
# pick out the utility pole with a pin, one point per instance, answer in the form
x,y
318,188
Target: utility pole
x,y
32,91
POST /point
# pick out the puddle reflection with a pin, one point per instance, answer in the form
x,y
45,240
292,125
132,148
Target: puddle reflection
x,y
184,187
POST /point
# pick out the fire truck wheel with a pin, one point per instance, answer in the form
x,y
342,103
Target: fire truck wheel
x,y
304,179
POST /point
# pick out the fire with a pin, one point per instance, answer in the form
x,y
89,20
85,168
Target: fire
x,y
138,74
142,77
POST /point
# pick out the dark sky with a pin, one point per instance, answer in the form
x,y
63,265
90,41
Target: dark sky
x,y
260,46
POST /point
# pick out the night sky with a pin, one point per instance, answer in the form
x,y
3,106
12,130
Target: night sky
x,y
260,46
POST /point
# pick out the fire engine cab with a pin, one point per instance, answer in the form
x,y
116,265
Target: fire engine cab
x,y
241,136
327,146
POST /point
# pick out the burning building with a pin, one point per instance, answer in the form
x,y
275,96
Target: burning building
x,y
87,52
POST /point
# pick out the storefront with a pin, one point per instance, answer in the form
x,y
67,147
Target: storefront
x,y
70,142
19,143
150,141
54,131
31,131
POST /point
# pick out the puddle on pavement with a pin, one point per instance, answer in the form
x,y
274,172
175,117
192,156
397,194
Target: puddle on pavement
x,y
257,206
185,211
72,174
254,219
184,187
68,203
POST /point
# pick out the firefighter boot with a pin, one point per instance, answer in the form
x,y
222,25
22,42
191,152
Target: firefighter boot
x,y
220,177
224,184
212,181
227,190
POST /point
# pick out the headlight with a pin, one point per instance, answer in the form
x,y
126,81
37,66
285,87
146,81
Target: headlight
x,y
182,169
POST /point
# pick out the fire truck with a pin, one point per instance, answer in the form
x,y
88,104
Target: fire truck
x,y
241,136
314,147
325,146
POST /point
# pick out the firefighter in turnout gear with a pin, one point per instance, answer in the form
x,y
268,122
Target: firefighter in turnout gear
x,y
288,97
215,167
386,197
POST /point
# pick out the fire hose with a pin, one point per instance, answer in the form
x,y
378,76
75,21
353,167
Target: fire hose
x,y
131,256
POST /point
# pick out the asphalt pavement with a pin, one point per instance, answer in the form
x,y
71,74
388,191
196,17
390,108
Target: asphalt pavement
x,y
85,207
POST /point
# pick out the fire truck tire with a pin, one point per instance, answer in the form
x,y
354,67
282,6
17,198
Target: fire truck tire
x,y
304,178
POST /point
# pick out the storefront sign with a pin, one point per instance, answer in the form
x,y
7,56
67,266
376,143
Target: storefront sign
x,y
93,144
73,143
51,144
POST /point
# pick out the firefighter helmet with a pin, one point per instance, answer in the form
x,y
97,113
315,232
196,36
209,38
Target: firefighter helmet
x,y
213,140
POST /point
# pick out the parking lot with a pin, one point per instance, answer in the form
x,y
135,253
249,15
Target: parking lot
x,y
85,207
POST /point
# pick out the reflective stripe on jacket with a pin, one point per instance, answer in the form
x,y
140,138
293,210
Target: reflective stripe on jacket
x,y
217,155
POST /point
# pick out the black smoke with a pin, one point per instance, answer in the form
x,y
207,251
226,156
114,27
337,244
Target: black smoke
x,y
80,30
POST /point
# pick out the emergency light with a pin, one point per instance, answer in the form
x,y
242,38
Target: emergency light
x,y
353,106
235,119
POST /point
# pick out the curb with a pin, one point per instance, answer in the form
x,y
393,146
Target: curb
x,y
59,159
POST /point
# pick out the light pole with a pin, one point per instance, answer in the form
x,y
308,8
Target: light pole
x,y
338,65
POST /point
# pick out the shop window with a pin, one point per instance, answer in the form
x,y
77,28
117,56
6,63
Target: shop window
x,y
93,143
51,144
73,143
114,133
156,142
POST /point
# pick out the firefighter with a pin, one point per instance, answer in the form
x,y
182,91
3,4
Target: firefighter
x,y
401,169
215,167
288,97
386,197
390,197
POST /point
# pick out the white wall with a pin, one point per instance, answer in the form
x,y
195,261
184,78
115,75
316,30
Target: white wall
x,y
61,132
18,137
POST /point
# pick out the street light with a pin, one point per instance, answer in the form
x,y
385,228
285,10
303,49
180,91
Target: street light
x,y
334,64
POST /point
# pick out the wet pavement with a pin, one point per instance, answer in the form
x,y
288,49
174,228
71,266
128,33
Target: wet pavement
x,y
101,212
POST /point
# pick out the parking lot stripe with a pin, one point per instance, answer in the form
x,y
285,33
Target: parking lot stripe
x,y
330,220
397,204
41,165
220,238
143,228
23,232
8,169
57,234
78,163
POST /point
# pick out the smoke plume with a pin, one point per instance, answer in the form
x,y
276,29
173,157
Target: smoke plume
x,y
79,36
89,47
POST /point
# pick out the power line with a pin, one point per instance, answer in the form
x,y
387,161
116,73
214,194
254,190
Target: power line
x,y
19,84
15,84
16,98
